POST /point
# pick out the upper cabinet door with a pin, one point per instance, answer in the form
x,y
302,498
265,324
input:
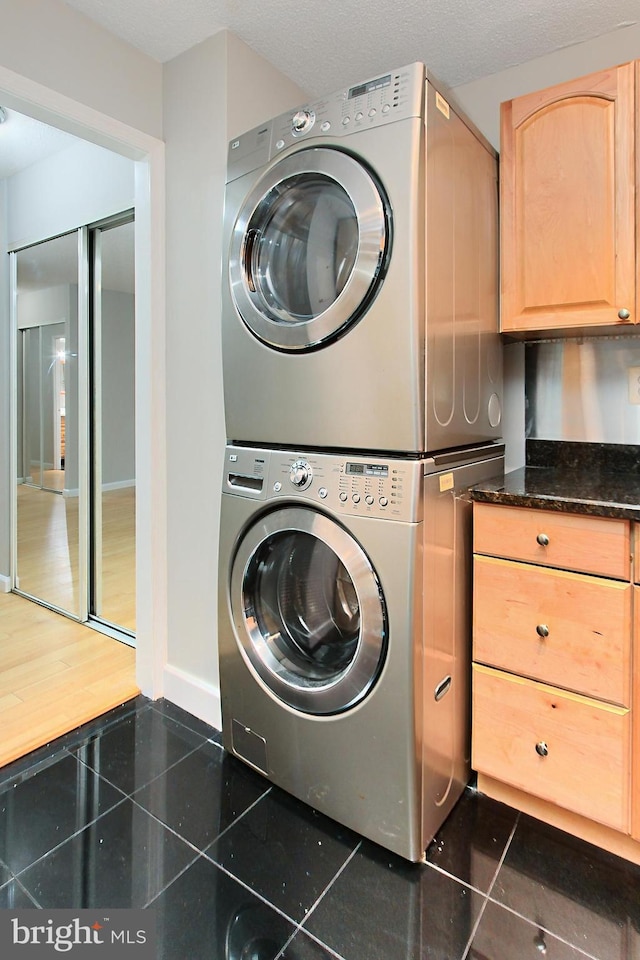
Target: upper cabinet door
x,y
568,205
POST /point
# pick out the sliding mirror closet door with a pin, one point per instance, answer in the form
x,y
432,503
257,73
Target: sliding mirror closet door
x,y
48,555
113,580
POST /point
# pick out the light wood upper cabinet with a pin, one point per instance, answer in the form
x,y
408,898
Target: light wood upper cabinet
x,y
567,196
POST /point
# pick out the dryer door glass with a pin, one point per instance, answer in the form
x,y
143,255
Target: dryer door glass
x,y
308,249
309,611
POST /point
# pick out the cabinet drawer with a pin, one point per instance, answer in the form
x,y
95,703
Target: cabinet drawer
x,y
587,765
565,629
590,544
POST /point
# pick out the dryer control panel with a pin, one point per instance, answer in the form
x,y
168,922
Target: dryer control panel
x,y
347,484
380,100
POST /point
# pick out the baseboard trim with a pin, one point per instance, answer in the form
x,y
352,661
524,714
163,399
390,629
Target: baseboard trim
x,y
5,584
193,695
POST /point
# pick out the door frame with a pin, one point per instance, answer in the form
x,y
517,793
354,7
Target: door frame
x,y
147,152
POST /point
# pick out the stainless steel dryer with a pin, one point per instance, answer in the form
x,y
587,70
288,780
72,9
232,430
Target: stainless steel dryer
x,y
344,631
360,274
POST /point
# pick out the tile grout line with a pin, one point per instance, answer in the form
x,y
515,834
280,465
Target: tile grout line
x,y
491,886
301,928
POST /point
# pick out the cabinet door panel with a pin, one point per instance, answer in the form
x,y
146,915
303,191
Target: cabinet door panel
x,y
589,544
587,765
567,204
561,628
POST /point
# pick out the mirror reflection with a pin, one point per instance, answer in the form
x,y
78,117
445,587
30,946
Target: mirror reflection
x,y
47,407
114,501
53,565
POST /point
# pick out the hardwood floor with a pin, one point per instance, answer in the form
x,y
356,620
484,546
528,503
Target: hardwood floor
x,y
54,675
48,551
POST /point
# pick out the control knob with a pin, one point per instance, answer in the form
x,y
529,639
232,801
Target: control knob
x,y
302,121
300,474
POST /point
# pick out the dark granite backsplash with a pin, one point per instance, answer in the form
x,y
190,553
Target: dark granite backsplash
x,y
602,458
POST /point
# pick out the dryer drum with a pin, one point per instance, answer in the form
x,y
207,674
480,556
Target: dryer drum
x,y
309,249
305,596
309,611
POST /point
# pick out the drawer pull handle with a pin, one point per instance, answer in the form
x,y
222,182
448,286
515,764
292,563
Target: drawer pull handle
x,y
542,630
543,539
624,314
542,749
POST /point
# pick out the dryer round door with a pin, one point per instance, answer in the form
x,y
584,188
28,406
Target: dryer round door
x,y
308,249
308,610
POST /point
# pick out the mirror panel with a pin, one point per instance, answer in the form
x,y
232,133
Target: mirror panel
x,y
114,472
47,411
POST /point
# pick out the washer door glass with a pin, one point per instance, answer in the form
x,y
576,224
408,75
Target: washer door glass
x,y
308,611
308,249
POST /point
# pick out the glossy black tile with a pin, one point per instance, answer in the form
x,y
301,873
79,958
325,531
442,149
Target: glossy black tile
x,y
582,894
472,840
168,709
383,908
207,914
124,859
502,935
131,753
44,810
304,947
203,794
285,851
13,897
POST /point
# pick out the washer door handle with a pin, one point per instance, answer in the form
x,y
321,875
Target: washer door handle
x,y
442,688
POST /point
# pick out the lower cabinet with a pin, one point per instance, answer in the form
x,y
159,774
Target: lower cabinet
x,y
553,728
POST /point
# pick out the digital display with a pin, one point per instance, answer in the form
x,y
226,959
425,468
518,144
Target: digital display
x,y
367,469
370,86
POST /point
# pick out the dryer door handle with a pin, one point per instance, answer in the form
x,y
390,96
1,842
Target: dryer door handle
x,y
250,239
443,687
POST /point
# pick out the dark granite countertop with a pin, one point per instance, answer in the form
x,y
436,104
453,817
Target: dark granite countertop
x,y
601,480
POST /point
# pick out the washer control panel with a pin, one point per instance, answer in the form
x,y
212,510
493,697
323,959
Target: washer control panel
x,y
384,99
351,485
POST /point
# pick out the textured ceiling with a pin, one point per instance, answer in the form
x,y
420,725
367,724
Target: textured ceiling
x,y
323,46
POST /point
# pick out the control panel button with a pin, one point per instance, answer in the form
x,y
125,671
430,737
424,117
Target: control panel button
x,y
359,115
346,121
279,144
386,108
383,502
277,487
372,112
356,498
325,126
343,497
369,499
323,492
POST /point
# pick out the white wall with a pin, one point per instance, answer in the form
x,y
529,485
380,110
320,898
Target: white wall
x,y
217,86
56,46
481,101
79,185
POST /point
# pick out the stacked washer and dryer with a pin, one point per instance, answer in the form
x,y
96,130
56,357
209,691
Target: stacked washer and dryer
x,y
362,379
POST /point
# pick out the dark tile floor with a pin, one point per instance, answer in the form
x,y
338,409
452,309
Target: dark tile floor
x,y
143,808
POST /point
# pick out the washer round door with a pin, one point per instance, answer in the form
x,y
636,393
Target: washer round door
x,y
308,610
308,249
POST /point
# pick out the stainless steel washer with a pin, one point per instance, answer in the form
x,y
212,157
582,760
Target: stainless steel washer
x,y
359,302
344,631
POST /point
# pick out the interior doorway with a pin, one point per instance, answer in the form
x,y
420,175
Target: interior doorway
x,y
74,319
